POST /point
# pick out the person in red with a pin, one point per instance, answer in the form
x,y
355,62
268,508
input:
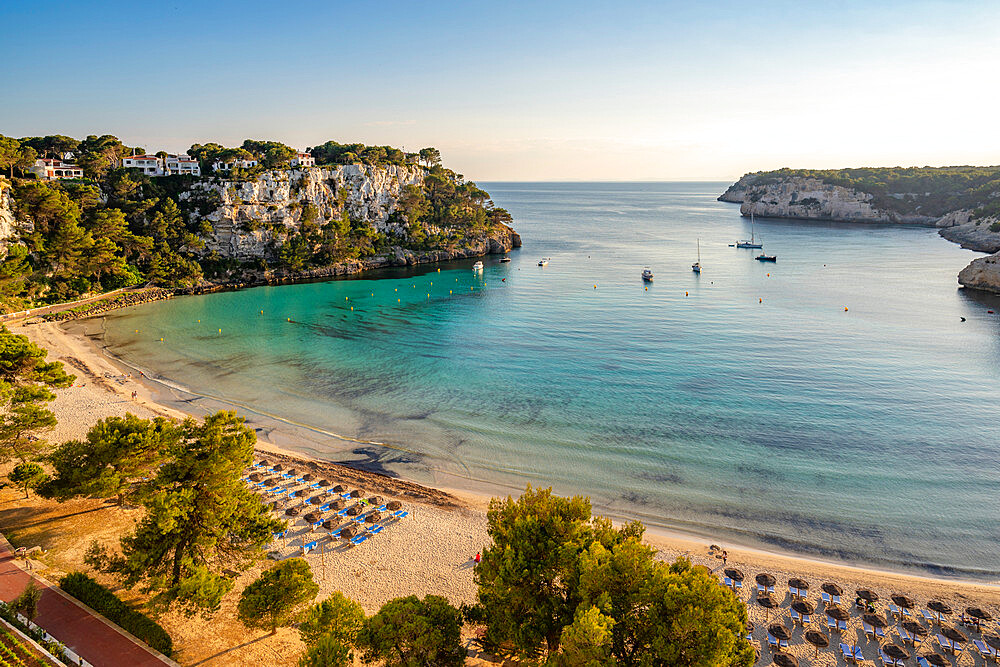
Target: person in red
x,y
477,557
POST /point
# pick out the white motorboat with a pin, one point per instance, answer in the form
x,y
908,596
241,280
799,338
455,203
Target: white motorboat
x,y
544,261
478,266
647,274
504,259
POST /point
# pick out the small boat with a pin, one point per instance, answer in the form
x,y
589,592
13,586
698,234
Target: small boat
x,y
504,259
647,274
696,267
544,261
766,258
752,243
478,266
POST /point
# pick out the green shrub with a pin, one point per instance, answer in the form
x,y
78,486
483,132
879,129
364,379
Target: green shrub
x,y
995,227
106,603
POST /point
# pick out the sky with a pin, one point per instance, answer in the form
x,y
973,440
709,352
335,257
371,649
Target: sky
x,y
522,91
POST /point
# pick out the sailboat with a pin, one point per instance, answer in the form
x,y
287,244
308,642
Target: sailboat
x,y
752,243
696,267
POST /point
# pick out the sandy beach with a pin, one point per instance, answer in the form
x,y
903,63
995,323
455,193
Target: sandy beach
x,y
430,550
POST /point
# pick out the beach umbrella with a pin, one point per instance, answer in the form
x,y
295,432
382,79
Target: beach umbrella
x,y
978,612
768,603
356,493
799,583
293,472
354,510
337,504
903,601
993,641
765,579
375,500
780,631
277,467
817,639
865,594
837,613
804,607
954,634
299,493
914,628
374,517
393,505
340,488
324,482
292,511
937,660
308,477
874,620
939,607
255,477
329,525
734,574
315,500
896,652
347,533
312,517
832,589
782,659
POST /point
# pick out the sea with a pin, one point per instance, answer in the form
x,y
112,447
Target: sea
x,y
841,402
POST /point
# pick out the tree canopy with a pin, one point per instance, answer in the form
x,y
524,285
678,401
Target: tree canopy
x,y
409,632
274,597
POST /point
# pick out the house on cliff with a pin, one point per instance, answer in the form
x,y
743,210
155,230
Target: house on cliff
x,y
53,169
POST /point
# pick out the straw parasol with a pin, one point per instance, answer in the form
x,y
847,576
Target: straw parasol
x,y
768,603
329,525
340,488
914,628
353,510
896,652
874,620
277,467
255,477
356,493
347,532
865,594
734,574
337,504
374,517
802,584
298,493
293,472
939,607
904,601
324,482
937,660
980,613
308,477
837,613
804,607
954,634
817,639
375,500
312,517
292,511
993,641
764,579
832,589
782,659
393,505
779,631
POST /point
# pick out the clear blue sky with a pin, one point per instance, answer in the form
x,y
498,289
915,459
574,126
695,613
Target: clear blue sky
x,y
522,90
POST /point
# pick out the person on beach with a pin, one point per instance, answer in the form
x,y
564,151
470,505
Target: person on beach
x,y
478,557
725,557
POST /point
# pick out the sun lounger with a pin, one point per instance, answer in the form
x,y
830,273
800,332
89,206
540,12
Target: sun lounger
x,y
985,650
880,633
847,653
887,661
737,585
278,536
794,591
375,530
905,636
929,616
946,644
727,582
858,657
306,548
359,539
795,616
381,509
831,623
775,642
358,519
324,507
827,598
922,661
869,630
342,512
401,514
314,485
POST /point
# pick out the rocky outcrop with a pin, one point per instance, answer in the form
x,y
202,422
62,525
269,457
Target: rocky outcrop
x,y
250,219
812,199
959,227
8,228
982,274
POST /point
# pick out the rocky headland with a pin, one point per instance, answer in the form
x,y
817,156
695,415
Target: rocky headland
x,y
963,215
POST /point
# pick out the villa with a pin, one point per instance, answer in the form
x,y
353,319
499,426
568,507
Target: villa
x,y
183,165
52,169
303,160
147,164
241,163
171,165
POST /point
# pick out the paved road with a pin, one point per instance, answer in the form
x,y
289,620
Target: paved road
x,y
94,638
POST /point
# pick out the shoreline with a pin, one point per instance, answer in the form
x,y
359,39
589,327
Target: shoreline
x,y
82,356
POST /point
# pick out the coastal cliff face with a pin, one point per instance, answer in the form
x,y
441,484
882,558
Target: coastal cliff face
x,y
8,227
982,274
254,217
812,199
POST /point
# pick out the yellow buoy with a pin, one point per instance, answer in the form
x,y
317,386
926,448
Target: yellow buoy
x,y
352,309
845,309
220,330
685,293
397,300
262,312
345,298
760,300
647,289
449,291
289,319
137,331
396,290
161,340
439,270
595,286
199,321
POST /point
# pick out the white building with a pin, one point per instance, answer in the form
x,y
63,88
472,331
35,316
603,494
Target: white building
x,y
147,164
181,165
303,160
219,165
51,169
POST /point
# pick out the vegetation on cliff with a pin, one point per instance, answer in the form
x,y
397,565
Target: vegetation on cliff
x,y
930,191
119,227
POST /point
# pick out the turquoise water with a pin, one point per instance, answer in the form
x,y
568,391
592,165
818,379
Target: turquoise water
x,y
744,403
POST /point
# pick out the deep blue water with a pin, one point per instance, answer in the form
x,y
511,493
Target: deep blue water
x,y
745,403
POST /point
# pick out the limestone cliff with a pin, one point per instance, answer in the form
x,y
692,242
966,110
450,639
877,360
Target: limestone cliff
x,y
982,274
8,228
